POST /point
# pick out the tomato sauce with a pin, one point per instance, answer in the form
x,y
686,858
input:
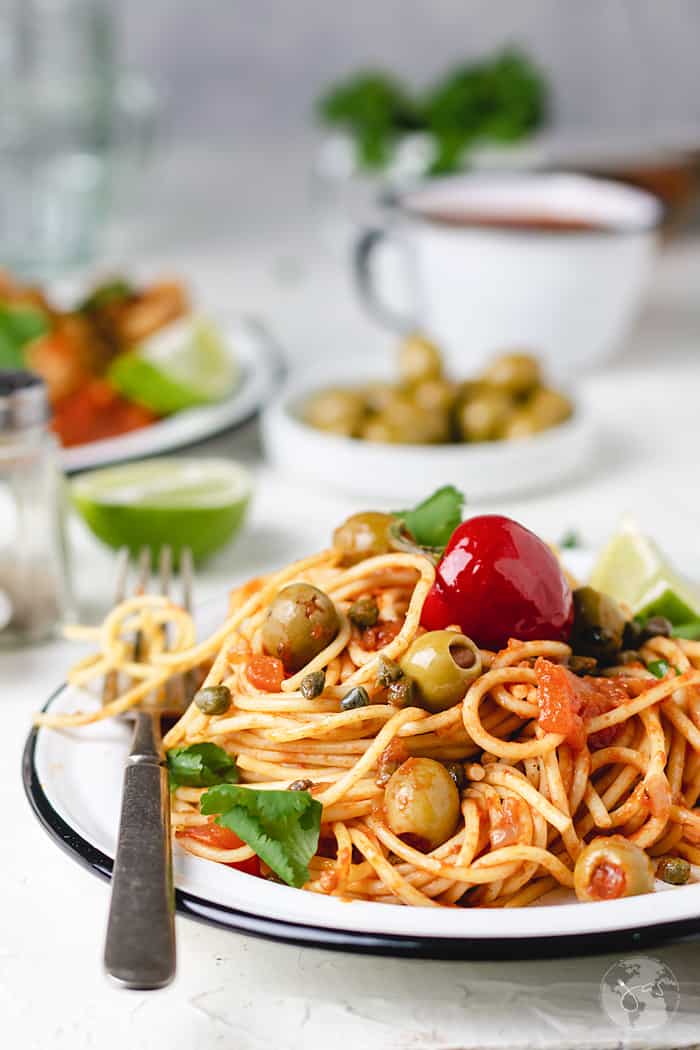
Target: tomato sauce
x,y
567,702
218,837
608,882
266,673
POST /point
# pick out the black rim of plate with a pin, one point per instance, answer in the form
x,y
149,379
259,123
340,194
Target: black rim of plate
x,y
307,935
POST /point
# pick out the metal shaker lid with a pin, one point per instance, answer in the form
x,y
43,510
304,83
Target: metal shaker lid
x,y
23,401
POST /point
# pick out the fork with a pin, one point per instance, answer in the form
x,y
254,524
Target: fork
x,y
140,942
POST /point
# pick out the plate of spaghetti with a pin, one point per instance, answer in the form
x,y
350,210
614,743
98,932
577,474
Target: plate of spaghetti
x,y
426,739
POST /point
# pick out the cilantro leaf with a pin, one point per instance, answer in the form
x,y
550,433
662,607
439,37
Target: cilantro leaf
x,y
281,826
201,765
20,324
658,668
434,520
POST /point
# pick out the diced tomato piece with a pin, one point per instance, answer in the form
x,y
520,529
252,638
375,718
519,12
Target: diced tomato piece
x,y
218,837
381,634
265,672
567,701
94,412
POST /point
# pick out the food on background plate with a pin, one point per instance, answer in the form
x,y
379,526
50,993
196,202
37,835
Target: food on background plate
x,y
195,503
120,359
383,721
509,400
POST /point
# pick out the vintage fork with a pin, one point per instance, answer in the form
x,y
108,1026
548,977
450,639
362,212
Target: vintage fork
x,y
140,943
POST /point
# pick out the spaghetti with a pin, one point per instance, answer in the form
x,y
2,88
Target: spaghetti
x,y
531,795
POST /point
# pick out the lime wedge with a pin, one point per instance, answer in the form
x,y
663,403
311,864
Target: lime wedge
x,y
196,503
185,365
633,570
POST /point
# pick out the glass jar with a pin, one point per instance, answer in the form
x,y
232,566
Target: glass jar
x,y
34,587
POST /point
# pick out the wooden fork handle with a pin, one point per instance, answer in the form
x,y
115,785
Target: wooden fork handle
x,y
140,944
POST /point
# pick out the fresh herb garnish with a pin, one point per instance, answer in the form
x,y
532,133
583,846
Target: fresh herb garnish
x,y
20,324
281,826
659,668
201,765
434,520
689,631
570,540
114,291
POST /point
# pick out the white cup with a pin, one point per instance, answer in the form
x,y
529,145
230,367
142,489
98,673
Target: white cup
x,y
569,295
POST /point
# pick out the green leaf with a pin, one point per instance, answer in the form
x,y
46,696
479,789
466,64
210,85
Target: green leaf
x,y
114,291
570,540
658,668
434,520
201,765
690,631
281,826
20,325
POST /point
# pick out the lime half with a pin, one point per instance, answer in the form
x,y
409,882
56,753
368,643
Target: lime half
x,y
196,503
633,570
185,365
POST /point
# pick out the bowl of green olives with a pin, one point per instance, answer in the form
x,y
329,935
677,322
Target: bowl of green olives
x,y
502,432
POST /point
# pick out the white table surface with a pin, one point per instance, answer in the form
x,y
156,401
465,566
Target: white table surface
x,y
250,994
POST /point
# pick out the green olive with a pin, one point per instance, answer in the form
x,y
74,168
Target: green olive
x,y
213,700
515,373
363,536
549,407
413,425
380,429
377,395
422,801
336,410
435,395
599,624
442,664
612,867
522,423
483,417
301,621
419,359
673,870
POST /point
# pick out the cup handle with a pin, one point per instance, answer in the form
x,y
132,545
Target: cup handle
x,y
364,279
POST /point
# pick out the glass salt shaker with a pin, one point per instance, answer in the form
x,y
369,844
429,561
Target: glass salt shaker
x,y
34,586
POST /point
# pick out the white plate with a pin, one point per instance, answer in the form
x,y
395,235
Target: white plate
x,y
73,779
486,470
261,370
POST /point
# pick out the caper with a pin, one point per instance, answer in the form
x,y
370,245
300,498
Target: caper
x,y
213,700
599,624
301,622
442,664
612,867
515,373
674,870
402,693
582,665
336,410
356,697
393,756
482,417
457,772
313,684
628,656
300,785
632,635
363,536
549,407
388,671
364,612
657,627
422,801
419,359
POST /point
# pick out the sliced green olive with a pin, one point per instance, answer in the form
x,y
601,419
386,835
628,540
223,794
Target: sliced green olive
x,y
483,416
458,773
363,536
301,621
612,867
213,700
419,359
421,802
673,870
442,664
312,685
336,410
599,624
515,373
364,612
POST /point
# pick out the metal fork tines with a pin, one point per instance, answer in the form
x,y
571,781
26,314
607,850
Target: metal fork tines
x,y
140,944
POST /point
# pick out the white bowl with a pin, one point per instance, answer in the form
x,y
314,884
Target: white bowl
x,y
407,472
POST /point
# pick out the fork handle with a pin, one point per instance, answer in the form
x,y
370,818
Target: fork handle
x,y
140,944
